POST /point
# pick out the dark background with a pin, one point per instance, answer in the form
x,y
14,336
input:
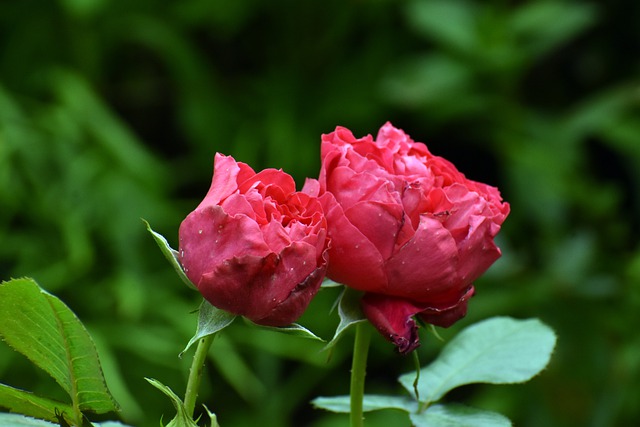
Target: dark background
x,y
112,111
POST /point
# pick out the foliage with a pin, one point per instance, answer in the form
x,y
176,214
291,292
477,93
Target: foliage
x,y
500,350
43,329
112,111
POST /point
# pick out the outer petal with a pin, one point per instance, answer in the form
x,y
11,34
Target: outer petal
x,y
478,251
208,236
255,286
392,317
292,307
354,260
425,268
447,316
379,222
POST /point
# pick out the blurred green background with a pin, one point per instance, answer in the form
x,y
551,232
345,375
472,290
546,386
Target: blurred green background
x,y
111,111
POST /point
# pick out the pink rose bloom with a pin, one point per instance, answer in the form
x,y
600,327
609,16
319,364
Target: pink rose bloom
x,y
254,246
406,227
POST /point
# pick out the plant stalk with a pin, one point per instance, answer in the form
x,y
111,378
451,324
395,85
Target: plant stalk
x,y
195,374
358,372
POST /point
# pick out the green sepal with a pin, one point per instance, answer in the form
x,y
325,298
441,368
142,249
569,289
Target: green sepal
x,y
328,283
210,321
182,419
350,313
170,254
293,329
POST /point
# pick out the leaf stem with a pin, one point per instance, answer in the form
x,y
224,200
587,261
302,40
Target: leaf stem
x,y
195,374
358,372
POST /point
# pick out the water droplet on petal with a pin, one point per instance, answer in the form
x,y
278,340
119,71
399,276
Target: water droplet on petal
x,y
199,231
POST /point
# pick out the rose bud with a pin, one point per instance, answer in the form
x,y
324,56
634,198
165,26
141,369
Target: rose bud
x,y
254,246
406,227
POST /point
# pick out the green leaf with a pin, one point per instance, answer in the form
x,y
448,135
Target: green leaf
x,y
450,23
210,320
530,25
24,402
371,402
182,419
41,327
110,424
170,254
452,415
350,313
293,329
500,350
17,420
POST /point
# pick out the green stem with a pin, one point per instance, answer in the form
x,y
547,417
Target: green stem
x,y
195,374
358,372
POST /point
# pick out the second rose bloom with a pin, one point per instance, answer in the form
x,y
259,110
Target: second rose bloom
x,y
406,227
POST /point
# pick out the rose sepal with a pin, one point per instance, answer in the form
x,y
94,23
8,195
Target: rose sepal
x,y
170,254
293,329
349,311
211,320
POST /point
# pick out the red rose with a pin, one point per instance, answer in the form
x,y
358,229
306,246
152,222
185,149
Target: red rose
x,y
405,227
254,246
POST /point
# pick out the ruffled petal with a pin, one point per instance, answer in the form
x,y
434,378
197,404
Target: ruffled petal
x,y
224,181
447,316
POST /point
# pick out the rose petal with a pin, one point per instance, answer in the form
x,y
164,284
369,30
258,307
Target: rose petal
x,y
276,237
224,181
445,317
350,187
209,235
254,286
238,204
380,223
478,251
353,258
311,187
290,309
424,269
392,317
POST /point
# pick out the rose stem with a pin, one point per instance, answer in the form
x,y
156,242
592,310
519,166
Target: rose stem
x,y
358,372
195,373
